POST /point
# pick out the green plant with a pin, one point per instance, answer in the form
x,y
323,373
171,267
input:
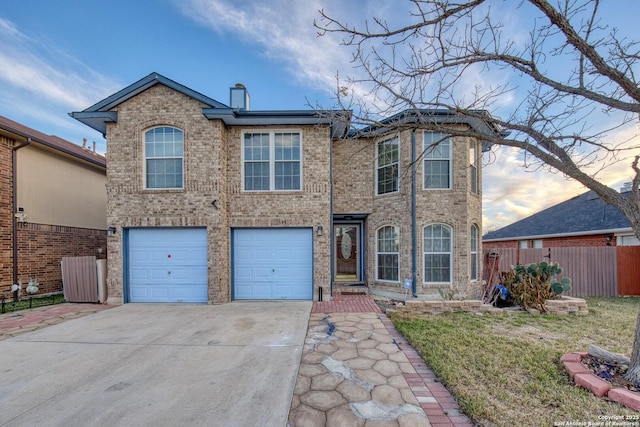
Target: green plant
x,y
531,285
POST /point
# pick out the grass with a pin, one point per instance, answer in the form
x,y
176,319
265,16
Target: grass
x,y
505,369
26,303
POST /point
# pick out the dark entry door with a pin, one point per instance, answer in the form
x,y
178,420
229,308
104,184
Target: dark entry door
x,y
346,252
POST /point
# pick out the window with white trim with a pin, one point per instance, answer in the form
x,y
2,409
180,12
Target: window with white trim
x,y
164,156
473,168
388,253
437,161
387,170
272,161
437,247
474,252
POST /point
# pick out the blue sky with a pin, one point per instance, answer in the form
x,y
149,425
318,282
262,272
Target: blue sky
x,y
58,57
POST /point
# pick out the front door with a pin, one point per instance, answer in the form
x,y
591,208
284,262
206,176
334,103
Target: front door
x,y
347,252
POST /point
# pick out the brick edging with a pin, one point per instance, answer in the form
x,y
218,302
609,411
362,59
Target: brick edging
x,y
437,402
583,377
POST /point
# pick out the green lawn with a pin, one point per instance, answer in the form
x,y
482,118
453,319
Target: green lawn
x,y
26,302
504,369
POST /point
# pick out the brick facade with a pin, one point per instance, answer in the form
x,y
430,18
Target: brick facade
x,y
560,242
6,214
41,249
354,192
212,152
344,169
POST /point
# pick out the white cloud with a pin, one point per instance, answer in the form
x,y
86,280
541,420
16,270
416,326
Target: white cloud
x,y
289,38
43,71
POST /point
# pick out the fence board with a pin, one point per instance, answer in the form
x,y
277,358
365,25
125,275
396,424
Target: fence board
x,y
79,279
593,270
628,270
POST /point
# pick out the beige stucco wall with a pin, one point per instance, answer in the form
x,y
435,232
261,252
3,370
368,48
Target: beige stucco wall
x,y
55,189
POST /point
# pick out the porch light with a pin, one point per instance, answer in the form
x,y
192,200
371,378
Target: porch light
x,y
111,231
319,230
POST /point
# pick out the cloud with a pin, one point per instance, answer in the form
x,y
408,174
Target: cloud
x,y
43,71
288,38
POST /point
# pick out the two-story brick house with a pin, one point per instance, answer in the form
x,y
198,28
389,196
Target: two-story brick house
x,y
211,202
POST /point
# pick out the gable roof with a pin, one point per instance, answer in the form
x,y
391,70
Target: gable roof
x,y
582,215
98,115
51,141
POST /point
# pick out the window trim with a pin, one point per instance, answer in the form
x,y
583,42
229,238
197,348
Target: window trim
x,y
272,159
378,253
425,159
395,138
451,256
145,158
474,273
474,170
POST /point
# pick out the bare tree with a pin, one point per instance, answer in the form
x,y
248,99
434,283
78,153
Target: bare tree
x,y
574,74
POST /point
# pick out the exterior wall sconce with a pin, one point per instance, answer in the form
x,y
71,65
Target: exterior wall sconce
x,y
111,231
319,230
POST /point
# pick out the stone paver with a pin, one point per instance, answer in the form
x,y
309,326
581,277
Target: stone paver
x,y
359,385
15,323
382,378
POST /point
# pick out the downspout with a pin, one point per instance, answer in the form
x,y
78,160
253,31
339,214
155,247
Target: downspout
x,y
414,245
14,207
331,236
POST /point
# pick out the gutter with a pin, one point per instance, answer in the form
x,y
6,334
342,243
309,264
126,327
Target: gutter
x,y
413,216
568,234
14,203
331,231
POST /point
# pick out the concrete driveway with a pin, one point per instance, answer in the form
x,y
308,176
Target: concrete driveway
x,y
157,365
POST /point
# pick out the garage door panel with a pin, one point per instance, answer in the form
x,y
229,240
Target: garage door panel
x,y
273,263
168,265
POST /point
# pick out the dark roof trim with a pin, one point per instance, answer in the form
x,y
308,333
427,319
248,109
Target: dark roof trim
x,y
52,142
99,122
144,84
231,117
96,120
480,123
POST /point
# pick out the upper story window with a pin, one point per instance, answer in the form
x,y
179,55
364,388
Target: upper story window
x,y
474,251
438,259
164,155
437,160
272,161
387,170
388,256
473,167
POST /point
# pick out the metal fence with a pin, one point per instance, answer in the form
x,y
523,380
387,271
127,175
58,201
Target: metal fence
x,y
594,271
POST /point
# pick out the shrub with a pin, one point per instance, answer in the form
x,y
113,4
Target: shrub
x,y
531,285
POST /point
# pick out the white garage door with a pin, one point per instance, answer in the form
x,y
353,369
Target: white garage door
x,y
273,263
167,264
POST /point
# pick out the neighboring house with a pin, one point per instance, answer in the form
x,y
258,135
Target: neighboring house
x,y
584,220
212,203
52,204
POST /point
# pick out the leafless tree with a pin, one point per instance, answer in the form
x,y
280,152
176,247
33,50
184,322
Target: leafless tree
x,y
574,76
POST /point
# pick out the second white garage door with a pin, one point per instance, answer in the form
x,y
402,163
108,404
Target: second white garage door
x,y
273,263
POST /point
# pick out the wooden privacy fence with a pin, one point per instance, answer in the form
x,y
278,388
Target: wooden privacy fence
x,y
82,279
594,271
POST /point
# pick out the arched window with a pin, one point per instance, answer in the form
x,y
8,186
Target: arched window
x,y
163,154
387,253
437,247
473,235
